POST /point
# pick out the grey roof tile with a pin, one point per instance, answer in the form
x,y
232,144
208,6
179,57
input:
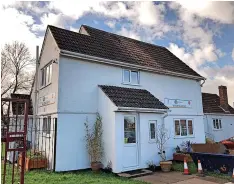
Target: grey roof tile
x,y
130,97
115,47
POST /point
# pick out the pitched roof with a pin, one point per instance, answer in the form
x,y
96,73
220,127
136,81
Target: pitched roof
x,y
211,104
107,45
130,97
18,107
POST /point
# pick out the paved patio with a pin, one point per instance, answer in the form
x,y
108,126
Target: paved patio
x,y
179,178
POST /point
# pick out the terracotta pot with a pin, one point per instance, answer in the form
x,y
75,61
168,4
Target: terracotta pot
x,y
96,166
30,163
166,166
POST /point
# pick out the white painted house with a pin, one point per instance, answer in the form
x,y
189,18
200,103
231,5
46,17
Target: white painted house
x,y
135,86
218,115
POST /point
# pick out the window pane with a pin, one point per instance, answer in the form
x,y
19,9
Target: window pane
x,y
126,76
152,130
190,127
42,77
48,124
44,128
129,129
183,127
214,123
134,77
50,72
177,127
47,75
220,124
217,123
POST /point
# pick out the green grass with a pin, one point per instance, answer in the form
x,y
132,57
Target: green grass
x,y
179,166
81,177
3,144
219,175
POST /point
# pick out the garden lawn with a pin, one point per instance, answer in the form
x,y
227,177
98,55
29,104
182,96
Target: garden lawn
x,y
81,177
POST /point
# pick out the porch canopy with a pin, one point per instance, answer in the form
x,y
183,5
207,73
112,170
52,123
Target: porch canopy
x,y
133,99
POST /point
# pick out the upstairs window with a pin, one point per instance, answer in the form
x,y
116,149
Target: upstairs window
x,y
130,77
46,75
217,124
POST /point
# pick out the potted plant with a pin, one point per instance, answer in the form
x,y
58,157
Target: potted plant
x,y
152,166
180,155
34,160
162,137
94,143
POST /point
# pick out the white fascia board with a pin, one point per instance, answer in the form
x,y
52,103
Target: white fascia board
x,y
134,109
219,114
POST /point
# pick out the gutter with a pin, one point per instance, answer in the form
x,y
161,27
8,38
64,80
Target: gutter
x,y
204,80
134,109
218,114
122,64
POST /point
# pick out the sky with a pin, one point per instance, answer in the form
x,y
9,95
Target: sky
x,y
200,33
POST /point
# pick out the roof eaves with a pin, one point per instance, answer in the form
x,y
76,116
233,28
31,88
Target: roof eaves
x,y
135,109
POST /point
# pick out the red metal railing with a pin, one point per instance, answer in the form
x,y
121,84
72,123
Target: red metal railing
x,y
27,143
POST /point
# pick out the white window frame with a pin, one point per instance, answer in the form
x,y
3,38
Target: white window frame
x,y
130,72
182,136
47,130
136,130
155,125
219,122
44,75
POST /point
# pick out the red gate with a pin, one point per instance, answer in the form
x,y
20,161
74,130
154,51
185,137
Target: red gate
x,y
13,141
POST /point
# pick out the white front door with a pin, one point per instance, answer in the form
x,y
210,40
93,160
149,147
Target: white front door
x,y
130,150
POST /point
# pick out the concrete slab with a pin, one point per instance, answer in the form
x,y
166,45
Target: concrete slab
x,y
178,178
195,181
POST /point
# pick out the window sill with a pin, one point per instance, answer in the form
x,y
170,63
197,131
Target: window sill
x,y
217,129
42,87
184,137
152,142
130,84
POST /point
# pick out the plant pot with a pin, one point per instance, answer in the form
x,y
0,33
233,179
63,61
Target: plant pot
x,y
181,157
33,163
166,166
96,166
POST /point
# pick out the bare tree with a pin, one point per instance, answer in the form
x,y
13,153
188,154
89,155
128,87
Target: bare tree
x,y
162,136
17,70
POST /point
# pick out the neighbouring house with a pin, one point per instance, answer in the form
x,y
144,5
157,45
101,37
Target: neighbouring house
x,y
218,115
40,130
135,86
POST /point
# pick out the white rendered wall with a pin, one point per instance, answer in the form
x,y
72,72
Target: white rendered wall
x,y
227,130
147,149
79,98
78,91
106,110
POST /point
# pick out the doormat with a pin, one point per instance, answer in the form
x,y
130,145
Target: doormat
x,y
135,173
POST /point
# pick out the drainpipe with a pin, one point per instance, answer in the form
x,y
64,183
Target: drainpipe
x,y
36,83
204,80
164,116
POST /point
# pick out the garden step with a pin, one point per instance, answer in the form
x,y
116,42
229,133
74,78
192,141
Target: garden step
x,y
135,173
